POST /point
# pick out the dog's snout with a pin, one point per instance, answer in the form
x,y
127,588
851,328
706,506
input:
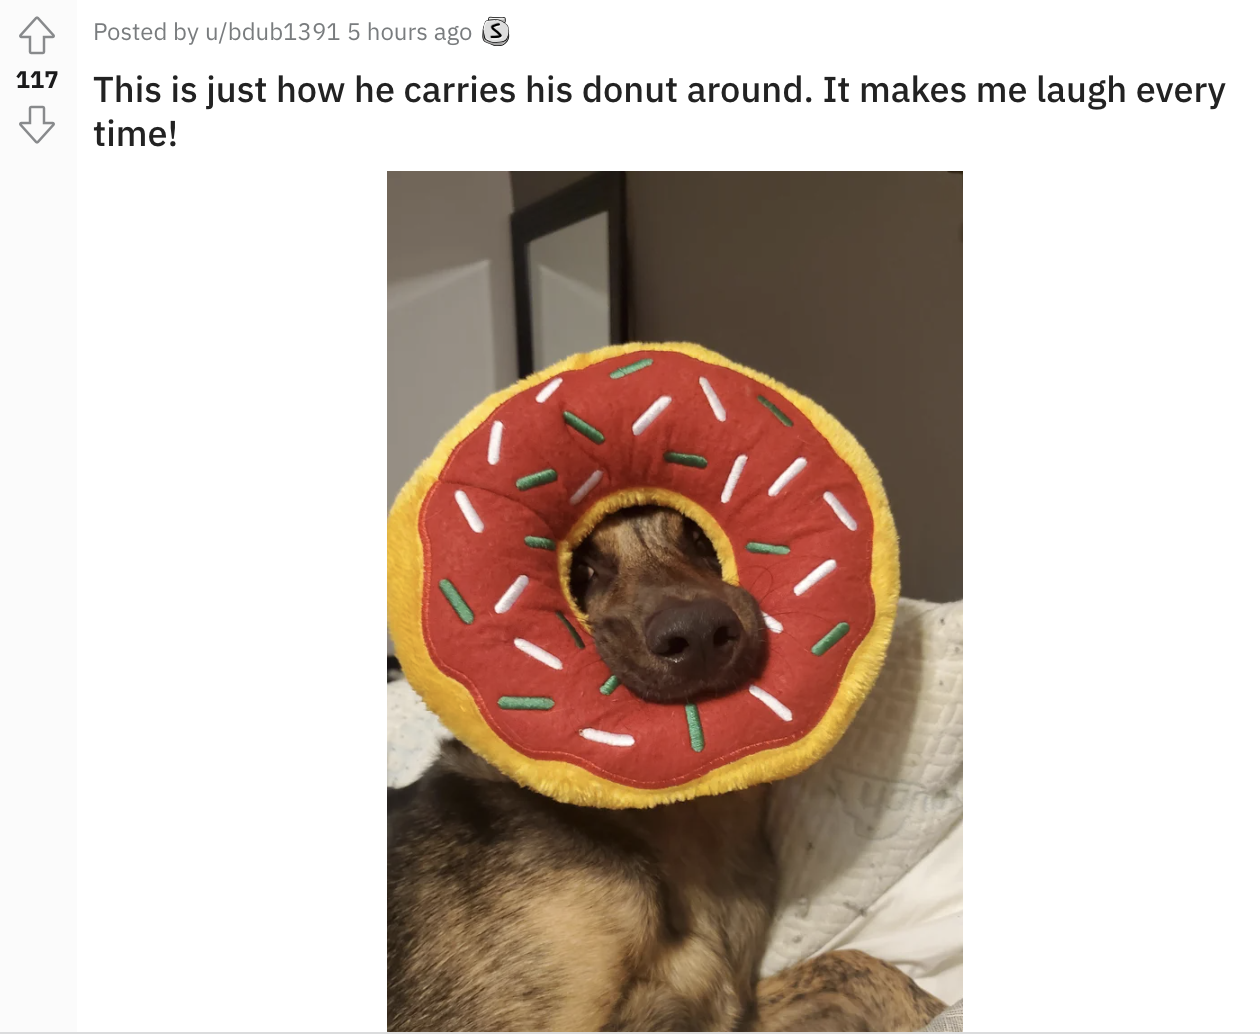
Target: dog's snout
x,y
699,637
664,621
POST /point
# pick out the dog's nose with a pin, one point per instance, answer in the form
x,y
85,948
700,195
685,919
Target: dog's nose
x,y
699,637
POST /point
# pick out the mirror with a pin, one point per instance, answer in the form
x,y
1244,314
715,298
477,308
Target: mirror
x,y
568,287
567,258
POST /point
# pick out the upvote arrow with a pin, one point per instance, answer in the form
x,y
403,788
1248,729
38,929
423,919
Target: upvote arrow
x,y
35,126
35,34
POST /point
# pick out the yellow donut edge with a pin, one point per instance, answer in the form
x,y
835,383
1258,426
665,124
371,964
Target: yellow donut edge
x,y
568,782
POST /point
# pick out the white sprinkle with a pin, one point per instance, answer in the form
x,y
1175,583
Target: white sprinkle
x,y
772,703
736,470
793,469
534,651
511,594
470,514
649,415
840,510
823,570
586,487
548,389
719,411
605,738
496,442
772,624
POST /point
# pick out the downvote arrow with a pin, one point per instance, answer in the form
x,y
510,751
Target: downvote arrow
x,y
35,126
35,34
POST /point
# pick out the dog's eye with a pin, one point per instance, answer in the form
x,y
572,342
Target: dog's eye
x,y
699,540
702,546
581,580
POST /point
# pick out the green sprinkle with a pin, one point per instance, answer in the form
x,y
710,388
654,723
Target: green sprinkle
x,y
694,729
630,368
691,460
541,542
768,548
775,410
609,685
538,478
509,701
577,637
590,431
829,641
457,602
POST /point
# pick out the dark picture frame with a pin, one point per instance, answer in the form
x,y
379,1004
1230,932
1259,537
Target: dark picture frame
x,y
599,192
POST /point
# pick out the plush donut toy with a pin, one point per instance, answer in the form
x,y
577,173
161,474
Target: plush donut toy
x,y
481,540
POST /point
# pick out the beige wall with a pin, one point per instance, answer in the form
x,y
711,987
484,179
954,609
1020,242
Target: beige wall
x,y
846,286
451,329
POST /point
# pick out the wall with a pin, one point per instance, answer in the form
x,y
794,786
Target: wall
x,y
528,188
846,286
568,273
451,329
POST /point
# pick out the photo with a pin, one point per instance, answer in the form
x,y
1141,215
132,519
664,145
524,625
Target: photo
x,y
675,582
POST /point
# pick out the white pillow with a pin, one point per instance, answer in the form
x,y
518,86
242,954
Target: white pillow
x,y
414,735
918,923
853,824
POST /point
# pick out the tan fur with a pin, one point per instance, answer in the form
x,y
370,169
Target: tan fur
x,y
639,560
844,991
511,911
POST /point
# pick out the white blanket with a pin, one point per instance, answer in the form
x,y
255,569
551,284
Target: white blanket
x,y
853,824
869,838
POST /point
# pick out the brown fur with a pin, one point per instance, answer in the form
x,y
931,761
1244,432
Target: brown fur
x,y
642,562
843,991
510,911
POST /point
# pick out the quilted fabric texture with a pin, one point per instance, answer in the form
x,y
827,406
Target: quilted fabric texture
x,y
852,824
949,1020
414,735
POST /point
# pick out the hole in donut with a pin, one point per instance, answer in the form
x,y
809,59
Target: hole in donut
x,y
669,628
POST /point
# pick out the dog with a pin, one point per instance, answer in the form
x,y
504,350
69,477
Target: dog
x,y
510,911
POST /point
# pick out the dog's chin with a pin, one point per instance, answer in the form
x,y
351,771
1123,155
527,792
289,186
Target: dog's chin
x,y
656,683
